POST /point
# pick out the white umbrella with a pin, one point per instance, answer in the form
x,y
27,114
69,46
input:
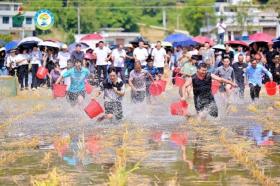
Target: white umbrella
x,y
2,49
166,44
219,47
48,44
30,40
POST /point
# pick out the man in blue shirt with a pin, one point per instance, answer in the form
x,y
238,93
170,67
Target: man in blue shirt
x,y
78,75
254,73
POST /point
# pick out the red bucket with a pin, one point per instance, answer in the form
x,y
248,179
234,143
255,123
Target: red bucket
x,y
271,88
215,86
179,81
162,83
179,108
179,138
93,109
155,89
42,72
88,88
59,90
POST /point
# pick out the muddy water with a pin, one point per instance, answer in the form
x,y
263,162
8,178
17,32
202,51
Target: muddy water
x,y
170,150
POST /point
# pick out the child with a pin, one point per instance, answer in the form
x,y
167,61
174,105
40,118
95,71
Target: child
x,y
55,73
155,74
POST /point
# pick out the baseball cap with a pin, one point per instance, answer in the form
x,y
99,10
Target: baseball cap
x,y
64,46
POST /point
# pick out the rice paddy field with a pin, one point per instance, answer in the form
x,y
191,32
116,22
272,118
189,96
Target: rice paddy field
x,y
45,141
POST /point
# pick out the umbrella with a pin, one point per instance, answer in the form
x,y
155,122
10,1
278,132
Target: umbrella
x,y
2,49
92,37
11,45
48,44
180,40
237,42
176,38
166,44
203,39
30,40
72,46
260,37
276,42
219,47
2,43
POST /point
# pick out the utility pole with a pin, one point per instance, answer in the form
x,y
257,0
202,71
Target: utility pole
x,y
207,23
164,18
178,22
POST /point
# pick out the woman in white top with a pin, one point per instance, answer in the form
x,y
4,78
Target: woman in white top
x,y
22,61
11,62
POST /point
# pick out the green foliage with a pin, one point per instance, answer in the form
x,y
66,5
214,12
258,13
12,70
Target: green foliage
x,y
6,37
70,38
195,14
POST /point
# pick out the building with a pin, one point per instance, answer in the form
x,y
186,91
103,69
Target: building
x,y
243,18
10,9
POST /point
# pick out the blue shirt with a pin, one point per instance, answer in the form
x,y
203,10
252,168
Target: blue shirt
x,y
77,79
255,75
152,70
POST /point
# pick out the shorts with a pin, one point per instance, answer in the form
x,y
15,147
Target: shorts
x,y
207,103
72,97
115,108
137,96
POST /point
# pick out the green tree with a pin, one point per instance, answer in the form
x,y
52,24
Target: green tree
x,y
195,14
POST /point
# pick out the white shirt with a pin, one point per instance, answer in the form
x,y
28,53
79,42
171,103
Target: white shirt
x,y
119,57
141,55
22,59
11,61
159,57
101,55
193,52
36,58
221,28
67,80
63,57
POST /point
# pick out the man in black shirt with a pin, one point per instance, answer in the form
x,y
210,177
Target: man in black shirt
x,y
228,54
203,98
270,54
239,69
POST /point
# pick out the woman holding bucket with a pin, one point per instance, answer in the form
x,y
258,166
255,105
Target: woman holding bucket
x,y
113,89
78,75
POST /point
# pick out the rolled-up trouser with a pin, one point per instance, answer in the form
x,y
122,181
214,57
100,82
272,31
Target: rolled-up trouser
x,y
254,91
137,96
206,103
241,86
115,108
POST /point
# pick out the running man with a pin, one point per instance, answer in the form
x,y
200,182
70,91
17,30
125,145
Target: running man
x,y
225,72
78,74
254,73
239,69
203,98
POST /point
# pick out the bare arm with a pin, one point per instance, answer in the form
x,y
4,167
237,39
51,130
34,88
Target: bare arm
x,y
184,87
131,85
222,80
58,80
